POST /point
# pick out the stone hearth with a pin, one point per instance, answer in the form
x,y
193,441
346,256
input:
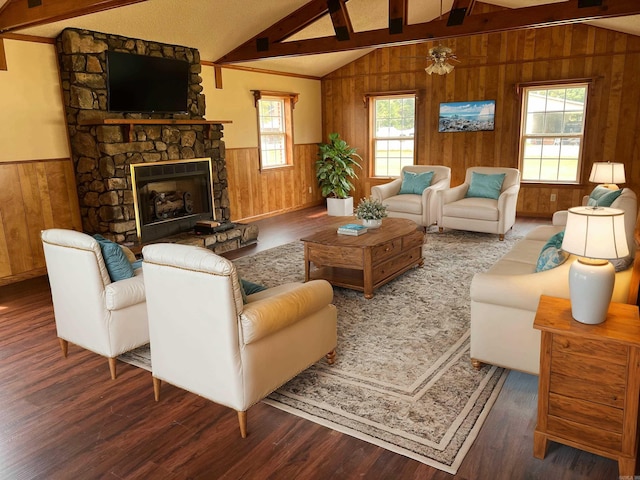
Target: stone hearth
x,y
102,153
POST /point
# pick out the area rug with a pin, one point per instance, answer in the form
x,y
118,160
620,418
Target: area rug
x,y
402,379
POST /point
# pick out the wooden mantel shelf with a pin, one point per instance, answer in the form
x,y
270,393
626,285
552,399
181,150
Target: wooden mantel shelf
x,y
128,124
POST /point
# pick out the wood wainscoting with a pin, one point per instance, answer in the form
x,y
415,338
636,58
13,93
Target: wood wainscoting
x,y
34,195
255,193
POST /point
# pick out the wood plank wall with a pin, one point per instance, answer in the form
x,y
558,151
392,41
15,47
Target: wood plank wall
x,y
34,195
255,194
490,67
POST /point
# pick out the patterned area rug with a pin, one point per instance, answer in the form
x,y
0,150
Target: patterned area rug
x,y
402,379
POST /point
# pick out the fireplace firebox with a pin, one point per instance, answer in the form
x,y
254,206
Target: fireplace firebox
x,y
171,196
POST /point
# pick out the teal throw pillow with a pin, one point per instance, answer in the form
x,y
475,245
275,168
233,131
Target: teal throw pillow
x,y
603,197
415,183
485,185
552,254
249,288
115,260
136,265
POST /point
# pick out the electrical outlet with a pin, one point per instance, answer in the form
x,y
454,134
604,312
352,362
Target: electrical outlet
x,y
553,197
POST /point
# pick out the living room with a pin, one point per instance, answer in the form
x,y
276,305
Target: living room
x,y
39,188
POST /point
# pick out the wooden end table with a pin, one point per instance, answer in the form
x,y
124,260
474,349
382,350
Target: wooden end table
x,y
589,382
365,262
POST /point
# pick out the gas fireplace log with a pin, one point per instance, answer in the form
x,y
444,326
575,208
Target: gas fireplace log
x,y
172,204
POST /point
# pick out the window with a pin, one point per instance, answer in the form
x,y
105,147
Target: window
x,y
275,128
393,120
551,135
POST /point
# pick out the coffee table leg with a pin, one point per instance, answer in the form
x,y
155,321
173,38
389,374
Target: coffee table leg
x,y
307,263
367,274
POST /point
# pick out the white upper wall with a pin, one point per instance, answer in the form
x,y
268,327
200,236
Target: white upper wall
x,y
235,102
32,126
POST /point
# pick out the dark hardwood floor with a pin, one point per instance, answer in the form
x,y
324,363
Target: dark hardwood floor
x,y
66,419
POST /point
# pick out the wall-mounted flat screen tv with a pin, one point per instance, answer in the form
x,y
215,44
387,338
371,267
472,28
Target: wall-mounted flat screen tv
x,y
145,84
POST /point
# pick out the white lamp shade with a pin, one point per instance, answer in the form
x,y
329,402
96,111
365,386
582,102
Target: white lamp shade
x,y
607,172
595,233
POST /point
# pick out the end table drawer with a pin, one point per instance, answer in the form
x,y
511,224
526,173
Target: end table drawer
x,y
586,413
582,434
607,352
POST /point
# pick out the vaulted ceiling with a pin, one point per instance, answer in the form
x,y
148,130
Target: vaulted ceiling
x,y
301,36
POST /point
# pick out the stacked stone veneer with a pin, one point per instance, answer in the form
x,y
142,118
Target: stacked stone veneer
x,y
102,154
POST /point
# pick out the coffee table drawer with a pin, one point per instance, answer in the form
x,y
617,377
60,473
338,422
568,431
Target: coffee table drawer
x,y
396,264
387,250
333,256
413,240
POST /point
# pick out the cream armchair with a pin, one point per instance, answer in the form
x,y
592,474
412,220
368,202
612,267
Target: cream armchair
x,y
205,340
108,318
476,214
422,209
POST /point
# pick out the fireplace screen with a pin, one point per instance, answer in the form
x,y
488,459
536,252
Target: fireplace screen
x,y
170,197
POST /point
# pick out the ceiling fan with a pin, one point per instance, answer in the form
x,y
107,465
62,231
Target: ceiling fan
x,y
439,56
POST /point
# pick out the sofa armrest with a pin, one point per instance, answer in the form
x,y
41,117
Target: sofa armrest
x,y
270,314
560,218
391,189
125,293
453,194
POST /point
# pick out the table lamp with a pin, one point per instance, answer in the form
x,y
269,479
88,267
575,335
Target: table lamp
x,y
607,174
594,235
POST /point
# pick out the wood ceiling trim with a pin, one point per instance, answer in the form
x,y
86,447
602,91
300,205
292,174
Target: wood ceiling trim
x,y
397,16
510,19
3,57
18,14
459,10
340,19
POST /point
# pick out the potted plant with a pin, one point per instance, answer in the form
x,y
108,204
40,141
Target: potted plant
x,y
335,167
371,211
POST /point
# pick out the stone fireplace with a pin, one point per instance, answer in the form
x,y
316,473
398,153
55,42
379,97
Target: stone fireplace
x,y
104,144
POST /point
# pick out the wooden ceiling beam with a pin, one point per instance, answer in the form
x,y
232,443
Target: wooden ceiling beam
x,y
18,14
397,16
459,10
340,19
289,25
510,19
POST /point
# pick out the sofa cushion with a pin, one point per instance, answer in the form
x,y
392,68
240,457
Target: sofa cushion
x,y
115,259
405,204
602,197
552,254
415,183
485,185
472,208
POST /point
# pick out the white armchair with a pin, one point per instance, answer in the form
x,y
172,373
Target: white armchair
x,y
422,209
205,340
477,214
108,318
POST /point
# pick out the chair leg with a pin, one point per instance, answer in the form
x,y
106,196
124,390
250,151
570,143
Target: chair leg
x,y
476,364
242,420
157,383
501,237
331,357
440,229
64,345
112,367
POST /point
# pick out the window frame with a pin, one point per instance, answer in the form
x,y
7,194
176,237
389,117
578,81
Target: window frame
x,y
288,100
524,90
370,100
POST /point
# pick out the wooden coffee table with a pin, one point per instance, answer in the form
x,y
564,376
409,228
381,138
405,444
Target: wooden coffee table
x,y
367,261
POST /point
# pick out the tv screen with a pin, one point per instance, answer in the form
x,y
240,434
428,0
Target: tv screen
x,y
144,84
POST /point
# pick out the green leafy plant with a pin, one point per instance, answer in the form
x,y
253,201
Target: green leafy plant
x,y
371,209
335,167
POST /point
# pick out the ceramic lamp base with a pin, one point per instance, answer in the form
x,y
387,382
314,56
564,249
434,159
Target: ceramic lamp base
x,y
590,288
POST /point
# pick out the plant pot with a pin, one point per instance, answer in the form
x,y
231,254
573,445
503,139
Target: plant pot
x,y
372,223
340,207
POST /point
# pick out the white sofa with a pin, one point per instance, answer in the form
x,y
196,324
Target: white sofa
x,y
504,299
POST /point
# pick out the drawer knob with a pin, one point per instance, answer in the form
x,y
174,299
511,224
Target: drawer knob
x,y
387,249
564,343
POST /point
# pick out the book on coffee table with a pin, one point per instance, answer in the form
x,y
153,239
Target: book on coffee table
x,y
352,229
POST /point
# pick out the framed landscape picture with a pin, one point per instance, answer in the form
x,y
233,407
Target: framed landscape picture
x,y
467,116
